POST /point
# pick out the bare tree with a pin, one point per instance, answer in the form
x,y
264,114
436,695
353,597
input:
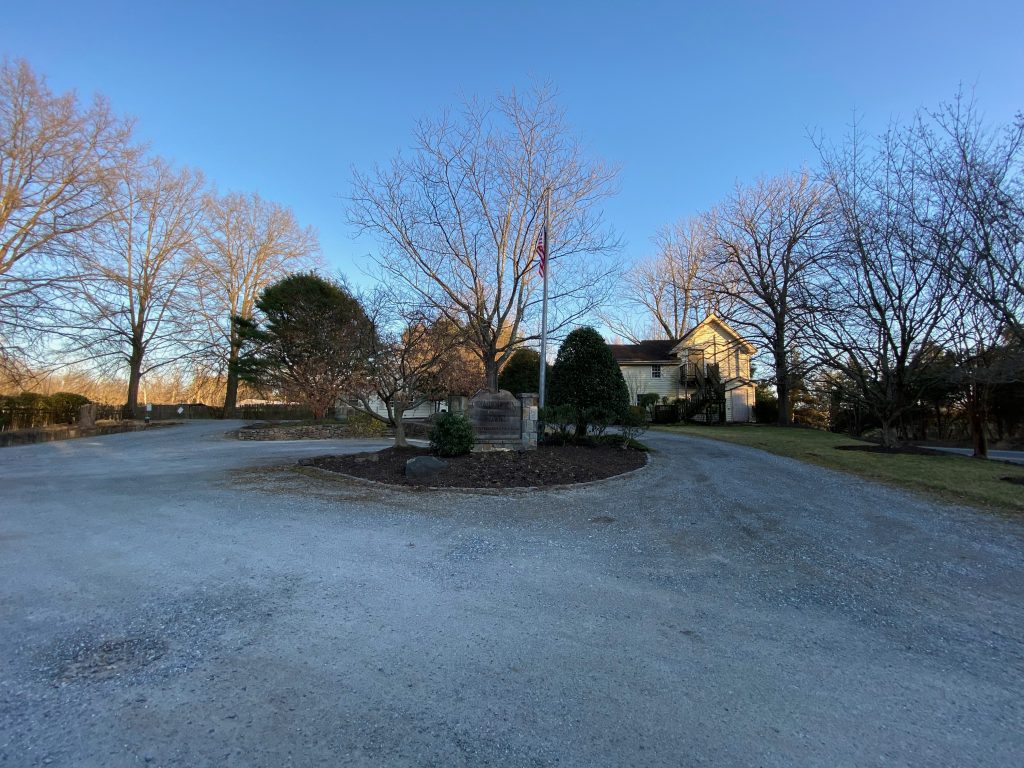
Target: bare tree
x,y
458,219
668,294
55,156
248,243
127,306
413,359
888,309
770,239
979,173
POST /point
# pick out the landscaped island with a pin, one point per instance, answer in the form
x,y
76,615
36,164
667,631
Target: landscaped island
x,y
546,466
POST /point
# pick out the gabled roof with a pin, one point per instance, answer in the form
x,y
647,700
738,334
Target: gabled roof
x,y
726,331
650,351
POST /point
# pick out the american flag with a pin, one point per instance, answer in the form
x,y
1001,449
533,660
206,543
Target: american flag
x,y
542,256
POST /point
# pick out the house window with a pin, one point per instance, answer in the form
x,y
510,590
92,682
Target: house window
x,y
655,371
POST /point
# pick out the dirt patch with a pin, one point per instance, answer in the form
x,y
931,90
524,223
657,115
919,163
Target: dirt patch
x,y
109,658
548,465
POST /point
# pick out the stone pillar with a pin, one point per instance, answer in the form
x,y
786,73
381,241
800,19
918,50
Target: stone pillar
x,y
529,420
87,416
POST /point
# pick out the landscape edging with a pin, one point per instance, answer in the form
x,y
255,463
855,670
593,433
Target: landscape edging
x,y
524,489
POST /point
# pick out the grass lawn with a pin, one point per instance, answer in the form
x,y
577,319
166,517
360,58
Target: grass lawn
x,y
958,479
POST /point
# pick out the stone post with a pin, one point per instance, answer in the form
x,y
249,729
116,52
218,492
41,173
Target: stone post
x,y
87,416
529,420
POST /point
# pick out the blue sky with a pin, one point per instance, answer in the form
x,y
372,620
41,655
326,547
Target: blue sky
x,y
686,97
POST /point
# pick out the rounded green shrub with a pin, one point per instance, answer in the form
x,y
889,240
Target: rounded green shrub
x,y
452,435
586,377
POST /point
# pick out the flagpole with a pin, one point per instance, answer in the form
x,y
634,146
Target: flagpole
x,y
544,307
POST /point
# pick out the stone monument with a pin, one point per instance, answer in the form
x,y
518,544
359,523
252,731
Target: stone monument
x,y
497,421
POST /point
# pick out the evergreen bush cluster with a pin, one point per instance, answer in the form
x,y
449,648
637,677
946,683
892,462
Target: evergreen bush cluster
x,y
63,405
634,424
522,372
452,435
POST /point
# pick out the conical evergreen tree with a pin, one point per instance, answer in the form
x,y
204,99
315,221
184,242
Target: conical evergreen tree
x,y
586,377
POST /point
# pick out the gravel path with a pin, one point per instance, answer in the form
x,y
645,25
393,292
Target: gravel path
x,y
175,598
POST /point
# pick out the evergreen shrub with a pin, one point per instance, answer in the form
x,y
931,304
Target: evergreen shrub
x,y
586,377
452,435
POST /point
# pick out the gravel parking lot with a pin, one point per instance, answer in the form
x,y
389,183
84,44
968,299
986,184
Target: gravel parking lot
x,y
176,597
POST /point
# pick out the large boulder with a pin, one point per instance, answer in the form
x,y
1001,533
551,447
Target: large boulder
x,y
424,468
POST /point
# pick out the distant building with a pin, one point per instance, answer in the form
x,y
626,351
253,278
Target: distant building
x,y
709,368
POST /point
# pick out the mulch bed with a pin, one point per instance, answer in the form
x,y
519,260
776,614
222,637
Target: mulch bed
x,y
911,449
548,465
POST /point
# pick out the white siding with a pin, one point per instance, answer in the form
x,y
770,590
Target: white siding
x,y
720,347
640,382
422,411
739,404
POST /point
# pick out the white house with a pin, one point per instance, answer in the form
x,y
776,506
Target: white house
x,y
424,410
681,369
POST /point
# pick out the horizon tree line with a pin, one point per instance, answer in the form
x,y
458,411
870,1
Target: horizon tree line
x,y
111,258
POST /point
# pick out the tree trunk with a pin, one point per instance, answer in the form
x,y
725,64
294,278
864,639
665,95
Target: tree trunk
x,y
782,385
231,394
491,372
400,440
134,380
890,439
979,440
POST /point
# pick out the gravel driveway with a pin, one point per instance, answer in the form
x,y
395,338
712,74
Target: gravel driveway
x,y
177,598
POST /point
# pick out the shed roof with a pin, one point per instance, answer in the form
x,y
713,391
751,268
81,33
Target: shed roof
x,y
649,351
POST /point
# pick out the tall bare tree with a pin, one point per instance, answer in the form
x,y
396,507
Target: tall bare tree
x,y
55,157
979,173
887,308
770,239
248,244
669,293
128,305
457,221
